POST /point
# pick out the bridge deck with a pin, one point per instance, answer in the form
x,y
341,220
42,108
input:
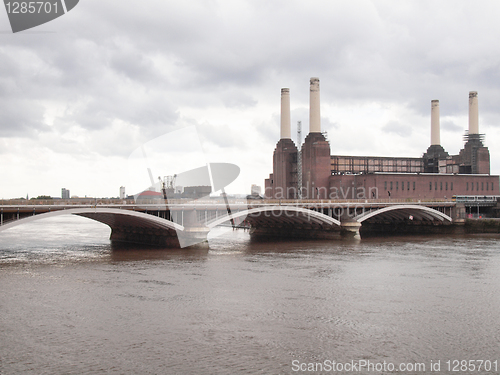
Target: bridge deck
x,y
178,204
288,217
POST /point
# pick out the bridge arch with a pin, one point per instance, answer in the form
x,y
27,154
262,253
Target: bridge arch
x,y
279,215
113,217
401,212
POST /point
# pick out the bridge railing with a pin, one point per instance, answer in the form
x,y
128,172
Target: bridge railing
x,y
104,201
62,202
211,201
354,201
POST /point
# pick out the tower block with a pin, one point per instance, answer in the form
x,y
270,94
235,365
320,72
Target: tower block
x,y
285,170
474,158
316,163
435,152
285,156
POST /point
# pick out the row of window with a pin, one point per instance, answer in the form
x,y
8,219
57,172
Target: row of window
x,y
437,185
477,186
440,186
397,185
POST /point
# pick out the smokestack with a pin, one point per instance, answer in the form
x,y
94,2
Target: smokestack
x,y
473,113
285,114
435,137
314,112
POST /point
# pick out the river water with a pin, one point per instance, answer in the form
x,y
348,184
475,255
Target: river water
x,y
71,303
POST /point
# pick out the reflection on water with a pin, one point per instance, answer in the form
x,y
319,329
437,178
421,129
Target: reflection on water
x,y
73,303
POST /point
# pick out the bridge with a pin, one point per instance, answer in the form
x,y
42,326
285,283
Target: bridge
x,y
184,223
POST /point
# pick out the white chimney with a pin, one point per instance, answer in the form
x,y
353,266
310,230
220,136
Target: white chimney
x,y
473,113
435,136
314,111
285,114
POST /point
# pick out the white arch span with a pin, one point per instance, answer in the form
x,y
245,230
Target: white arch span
x,y
112,217
404,211
285,214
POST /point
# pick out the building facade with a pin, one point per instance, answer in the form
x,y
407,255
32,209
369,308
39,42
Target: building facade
x,y
64,193
434,175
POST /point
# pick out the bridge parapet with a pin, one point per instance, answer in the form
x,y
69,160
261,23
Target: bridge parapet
x,y
160,223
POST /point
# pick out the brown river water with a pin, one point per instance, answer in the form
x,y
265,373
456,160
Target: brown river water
x,y
72,303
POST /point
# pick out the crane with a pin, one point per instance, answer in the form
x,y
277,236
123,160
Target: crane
x,y
167,185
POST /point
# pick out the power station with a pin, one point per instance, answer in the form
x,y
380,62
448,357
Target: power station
x,y
324,176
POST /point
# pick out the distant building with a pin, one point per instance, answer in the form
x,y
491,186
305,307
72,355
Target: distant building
x,y
64,193
196,192
435,174
255,190
122,192
149,196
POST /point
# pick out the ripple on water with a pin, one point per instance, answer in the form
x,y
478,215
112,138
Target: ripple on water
x,y
72,303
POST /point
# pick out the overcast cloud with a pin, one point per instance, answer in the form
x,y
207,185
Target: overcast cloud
x,y
79,94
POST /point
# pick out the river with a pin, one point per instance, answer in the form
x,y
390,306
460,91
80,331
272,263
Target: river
x,y
72,303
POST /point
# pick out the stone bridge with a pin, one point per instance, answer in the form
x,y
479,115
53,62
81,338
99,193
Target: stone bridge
x,y
188,223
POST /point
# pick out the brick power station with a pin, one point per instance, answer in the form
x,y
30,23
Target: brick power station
x,y
324,176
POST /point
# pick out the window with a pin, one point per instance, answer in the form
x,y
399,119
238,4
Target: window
x,y
472,186
408,186
435,186
397,185
391,185
467,187
430,185
385,185
446,186
441,185
451,187
414,185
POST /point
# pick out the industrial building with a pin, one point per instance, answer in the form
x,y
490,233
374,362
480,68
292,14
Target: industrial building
x,y
313,173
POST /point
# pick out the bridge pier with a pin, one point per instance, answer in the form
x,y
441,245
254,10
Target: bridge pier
x,y
157,237
458,213
145,236
350,229
288,233
194,231
191,236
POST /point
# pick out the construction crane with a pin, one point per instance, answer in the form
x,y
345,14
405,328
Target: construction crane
x,y
167,185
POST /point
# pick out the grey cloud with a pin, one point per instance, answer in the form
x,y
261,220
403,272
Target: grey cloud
x,y
450,126
21,118
327,124
269,130
153,114
224,136
397,128
237,99
360,50
113,61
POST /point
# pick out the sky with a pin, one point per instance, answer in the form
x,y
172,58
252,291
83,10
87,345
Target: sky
x,y
80,95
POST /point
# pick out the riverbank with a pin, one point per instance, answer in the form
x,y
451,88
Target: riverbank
x,y
482,226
